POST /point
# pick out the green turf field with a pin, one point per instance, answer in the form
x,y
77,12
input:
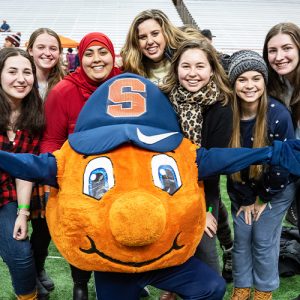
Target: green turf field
x,y
59,270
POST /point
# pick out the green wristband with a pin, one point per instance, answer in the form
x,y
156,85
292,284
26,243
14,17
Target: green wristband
x,y
20,206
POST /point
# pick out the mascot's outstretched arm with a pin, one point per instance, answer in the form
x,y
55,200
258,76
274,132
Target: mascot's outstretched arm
x,y
227,161
30,167
286,154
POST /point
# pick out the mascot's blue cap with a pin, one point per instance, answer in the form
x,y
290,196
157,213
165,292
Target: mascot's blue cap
x,y
127,108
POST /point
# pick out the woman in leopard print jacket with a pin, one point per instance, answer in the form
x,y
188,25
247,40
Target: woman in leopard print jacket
x,y
199,91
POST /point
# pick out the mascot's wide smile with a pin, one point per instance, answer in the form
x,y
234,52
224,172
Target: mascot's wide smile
x,y
94,249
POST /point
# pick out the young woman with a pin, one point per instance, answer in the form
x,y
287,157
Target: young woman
x,y
65,101
21,124
200,94
150,44
281,53
259,195
45,48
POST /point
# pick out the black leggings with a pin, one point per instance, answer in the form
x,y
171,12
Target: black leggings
x,y
224,232
40,240
80,276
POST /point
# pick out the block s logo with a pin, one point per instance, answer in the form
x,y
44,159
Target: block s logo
x,y
127,99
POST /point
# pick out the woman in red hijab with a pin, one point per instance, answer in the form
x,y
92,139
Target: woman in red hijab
x,y
66,99
64,103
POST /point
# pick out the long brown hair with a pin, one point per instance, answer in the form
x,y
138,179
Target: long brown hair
x,y
259,131
57,72
32,115
276,87
133,59
219,76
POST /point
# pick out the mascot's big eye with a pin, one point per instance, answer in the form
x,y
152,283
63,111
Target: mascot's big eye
x,y
165,173
98,177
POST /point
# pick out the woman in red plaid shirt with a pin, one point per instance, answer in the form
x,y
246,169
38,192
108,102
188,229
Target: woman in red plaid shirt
x,y
21,126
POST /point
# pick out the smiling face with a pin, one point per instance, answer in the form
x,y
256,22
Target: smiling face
x,y
102,222
250,86
45,52
97,63
283,54
194,70
151,40
17,78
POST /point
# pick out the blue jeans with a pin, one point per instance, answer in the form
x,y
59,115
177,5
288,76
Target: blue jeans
x,y
192,280
256,247
16,254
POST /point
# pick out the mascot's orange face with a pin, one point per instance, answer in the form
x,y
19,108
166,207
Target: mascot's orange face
x,y
129,210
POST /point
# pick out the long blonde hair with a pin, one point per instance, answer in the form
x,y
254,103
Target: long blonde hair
x,y
219,76
259,135
276,87
133,59
57,72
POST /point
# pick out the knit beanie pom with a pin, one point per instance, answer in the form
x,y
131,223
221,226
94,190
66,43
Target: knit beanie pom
x,y
246,60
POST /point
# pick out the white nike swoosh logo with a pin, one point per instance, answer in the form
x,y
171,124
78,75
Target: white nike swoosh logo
x,y
152,139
